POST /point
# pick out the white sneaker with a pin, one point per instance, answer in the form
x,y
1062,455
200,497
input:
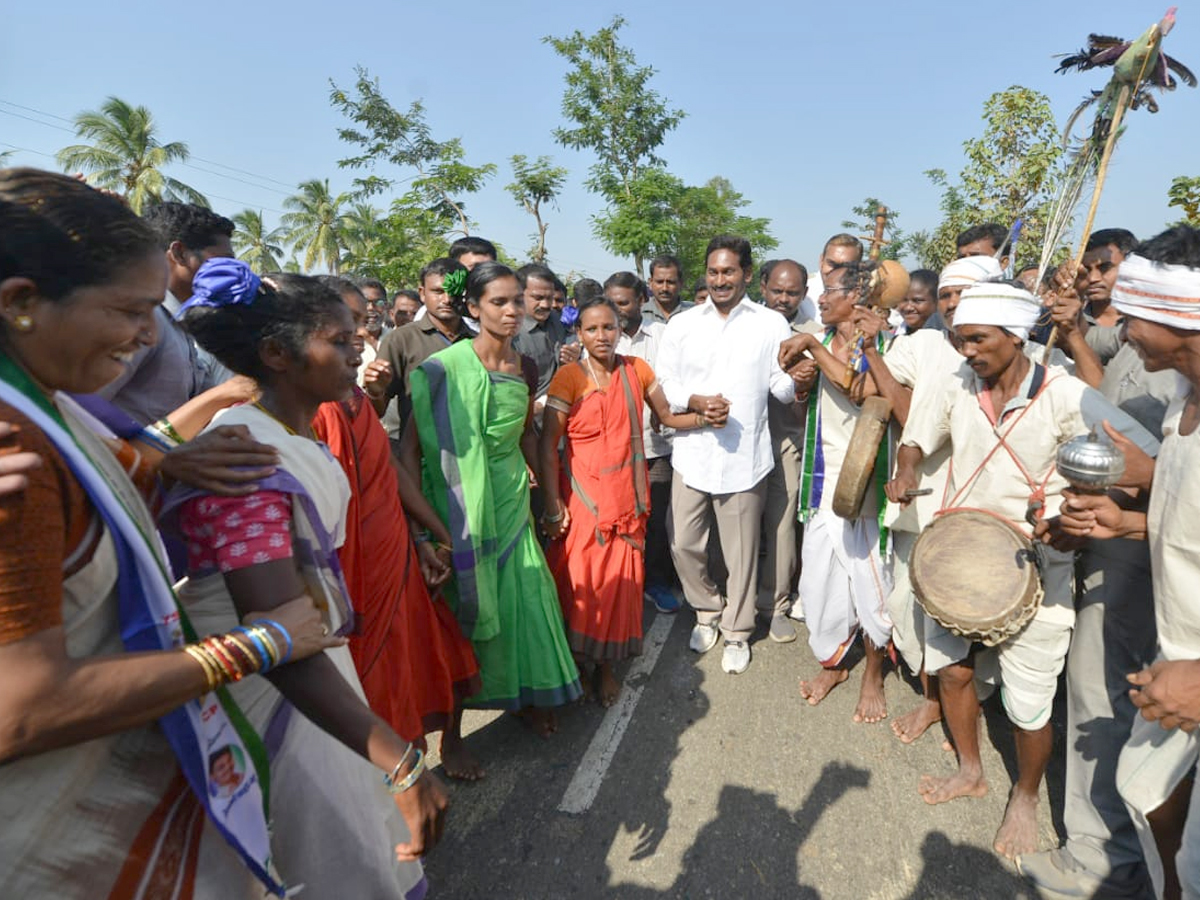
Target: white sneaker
x,y
704,637
736,658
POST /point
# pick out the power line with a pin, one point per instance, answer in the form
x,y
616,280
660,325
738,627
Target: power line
x,y
190,165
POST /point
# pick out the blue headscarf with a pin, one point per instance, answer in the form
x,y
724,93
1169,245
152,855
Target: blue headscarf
x,y
222,281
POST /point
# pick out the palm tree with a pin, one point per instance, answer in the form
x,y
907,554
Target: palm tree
x,y
314,224
257,246
125,155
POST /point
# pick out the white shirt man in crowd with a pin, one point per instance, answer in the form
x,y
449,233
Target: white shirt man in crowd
x,y
720,361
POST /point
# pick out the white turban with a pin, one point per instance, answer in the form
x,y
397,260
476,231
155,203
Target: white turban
x,y
1011,308
968,270
1160,292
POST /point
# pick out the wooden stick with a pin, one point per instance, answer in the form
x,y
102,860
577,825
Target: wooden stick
x,y
877,242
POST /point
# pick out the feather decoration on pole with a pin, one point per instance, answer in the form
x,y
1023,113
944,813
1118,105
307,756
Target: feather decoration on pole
x,y
1137,66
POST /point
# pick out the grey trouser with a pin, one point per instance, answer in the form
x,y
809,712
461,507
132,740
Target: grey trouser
x,y
737,517
777,585
1114,635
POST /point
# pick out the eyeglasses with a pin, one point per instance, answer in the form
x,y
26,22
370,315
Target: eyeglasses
x,y
837,290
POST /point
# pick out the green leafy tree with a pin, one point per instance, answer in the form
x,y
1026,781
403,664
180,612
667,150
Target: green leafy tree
x,y
126,156
261,249
612,111
864,223
314,223
384,135
400,243
1185,194
701,213
1011,173
535,184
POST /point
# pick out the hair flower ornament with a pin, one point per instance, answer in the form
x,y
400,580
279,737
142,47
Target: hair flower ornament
x,y
569,316
455,283
221,281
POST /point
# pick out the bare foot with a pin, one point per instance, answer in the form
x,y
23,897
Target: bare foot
x,y
1018,831
541,722
960,784
872,705
457,761
607,686
816,690
916,722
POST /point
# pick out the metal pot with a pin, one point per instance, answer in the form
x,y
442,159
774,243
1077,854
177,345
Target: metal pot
x,y
1091,462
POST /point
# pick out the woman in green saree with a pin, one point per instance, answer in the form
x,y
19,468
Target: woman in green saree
x,y
471,442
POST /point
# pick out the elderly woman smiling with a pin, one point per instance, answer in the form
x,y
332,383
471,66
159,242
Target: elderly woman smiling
x,y
113,716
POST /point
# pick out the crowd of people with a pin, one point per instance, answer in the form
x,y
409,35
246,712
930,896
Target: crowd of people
x,y
395,507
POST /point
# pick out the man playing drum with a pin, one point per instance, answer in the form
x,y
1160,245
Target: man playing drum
x,y
1004,418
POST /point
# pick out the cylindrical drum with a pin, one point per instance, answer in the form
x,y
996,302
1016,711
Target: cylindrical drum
x,y
976,574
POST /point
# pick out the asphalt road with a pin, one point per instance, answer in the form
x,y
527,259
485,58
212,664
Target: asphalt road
x,y
724,786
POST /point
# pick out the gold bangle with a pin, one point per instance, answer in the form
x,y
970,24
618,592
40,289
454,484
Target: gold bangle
x,y
699,420
225,659
211,673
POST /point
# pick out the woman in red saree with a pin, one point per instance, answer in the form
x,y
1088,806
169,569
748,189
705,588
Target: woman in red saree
x,y
598,500
415,665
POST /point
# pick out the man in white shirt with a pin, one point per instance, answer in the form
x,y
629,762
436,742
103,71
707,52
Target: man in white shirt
x,y
719,360
641,337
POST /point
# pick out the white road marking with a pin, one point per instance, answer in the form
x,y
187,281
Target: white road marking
x,y
585,784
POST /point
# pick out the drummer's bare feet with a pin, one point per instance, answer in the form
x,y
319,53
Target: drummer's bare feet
x,y
457,761
818,689
916,722
607,686
1018,831
963,783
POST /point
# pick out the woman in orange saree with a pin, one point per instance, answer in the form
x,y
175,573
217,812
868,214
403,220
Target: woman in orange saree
x,y
598,500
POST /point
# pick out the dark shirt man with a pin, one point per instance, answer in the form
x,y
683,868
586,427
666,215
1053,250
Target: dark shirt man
x,y
408,346
542,334
666,282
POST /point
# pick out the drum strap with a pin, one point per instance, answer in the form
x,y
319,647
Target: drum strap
x,y
1037,489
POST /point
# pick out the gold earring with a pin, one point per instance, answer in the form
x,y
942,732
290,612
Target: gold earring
x,y
23,323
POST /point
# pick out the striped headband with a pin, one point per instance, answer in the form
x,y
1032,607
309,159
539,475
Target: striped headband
x,y
1159,292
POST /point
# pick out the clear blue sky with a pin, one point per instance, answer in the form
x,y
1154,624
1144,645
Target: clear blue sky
x,y
805,108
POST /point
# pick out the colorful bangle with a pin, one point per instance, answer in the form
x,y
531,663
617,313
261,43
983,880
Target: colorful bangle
x,y
243,648
269,645
165,428
390,778
211,672
260,648
399,787
224,658
283,632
